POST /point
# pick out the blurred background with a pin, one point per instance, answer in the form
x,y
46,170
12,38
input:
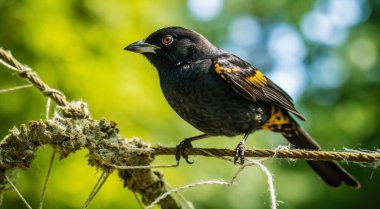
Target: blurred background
x,y
325,54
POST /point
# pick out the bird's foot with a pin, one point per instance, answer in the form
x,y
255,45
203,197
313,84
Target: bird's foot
x,y
180,151
239,152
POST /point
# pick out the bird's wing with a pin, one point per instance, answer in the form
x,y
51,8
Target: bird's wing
x,y
248,81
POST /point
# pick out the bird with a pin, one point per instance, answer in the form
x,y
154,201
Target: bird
x,y
221,94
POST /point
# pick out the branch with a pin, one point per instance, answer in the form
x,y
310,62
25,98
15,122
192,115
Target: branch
x,y
318,155
23,71
68,134
99,137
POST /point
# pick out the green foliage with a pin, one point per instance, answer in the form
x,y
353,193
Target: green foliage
x,y
76,47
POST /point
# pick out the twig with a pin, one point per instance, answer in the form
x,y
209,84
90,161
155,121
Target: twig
x,y
102,179
46,181
18,193
48,102
138,200
143,166
164,195
15,88
186,204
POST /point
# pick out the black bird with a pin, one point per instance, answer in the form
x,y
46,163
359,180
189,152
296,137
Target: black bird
x,y
222,95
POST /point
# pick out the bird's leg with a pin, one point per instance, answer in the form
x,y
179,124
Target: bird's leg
x,y
239,151
186,143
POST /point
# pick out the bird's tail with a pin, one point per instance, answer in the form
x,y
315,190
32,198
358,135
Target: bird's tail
x,y
331,172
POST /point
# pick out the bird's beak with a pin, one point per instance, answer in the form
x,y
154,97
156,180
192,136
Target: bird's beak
x,y
142,47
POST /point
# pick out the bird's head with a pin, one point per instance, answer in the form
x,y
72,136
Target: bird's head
x,y
172,46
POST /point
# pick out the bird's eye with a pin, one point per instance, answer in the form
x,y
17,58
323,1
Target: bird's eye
x,y
168,39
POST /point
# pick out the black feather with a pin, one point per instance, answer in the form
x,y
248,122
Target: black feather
x,y
269,92
331,172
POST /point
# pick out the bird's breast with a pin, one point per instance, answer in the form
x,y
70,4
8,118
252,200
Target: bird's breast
x,y
208,103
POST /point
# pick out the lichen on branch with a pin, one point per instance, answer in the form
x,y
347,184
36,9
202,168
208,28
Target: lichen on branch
x,y
73,129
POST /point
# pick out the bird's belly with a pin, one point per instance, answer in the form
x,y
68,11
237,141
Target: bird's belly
x,y
215,110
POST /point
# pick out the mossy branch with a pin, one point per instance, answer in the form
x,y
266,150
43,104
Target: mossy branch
x,y
106,148
73,130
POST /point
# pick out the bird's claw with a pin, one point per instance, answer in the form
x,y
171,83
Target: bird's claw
x,y
239,153
180,151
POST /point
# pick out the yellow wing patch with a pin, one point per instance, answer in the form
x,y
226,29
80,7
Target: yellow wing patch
x,y
278,122
220,70
258,79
